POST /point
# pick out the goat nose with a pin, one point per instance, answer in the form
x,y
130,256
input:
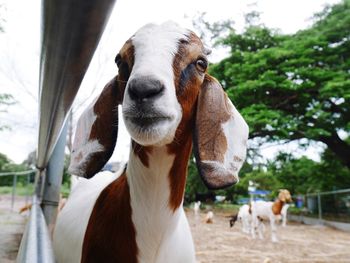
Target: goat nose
x,y
145,88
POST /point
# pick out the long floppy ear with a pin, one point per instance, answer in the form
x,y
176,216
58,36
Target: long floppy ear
x,y
96,133
220,137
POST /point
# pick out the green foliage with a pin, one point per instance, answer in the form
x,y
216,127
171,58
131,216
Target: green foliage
x,y
289,87
194,183
21,190
297,86
6,165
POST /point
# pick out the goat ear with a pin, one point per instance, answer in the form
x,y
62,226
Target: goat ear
x,y
220,137
96,133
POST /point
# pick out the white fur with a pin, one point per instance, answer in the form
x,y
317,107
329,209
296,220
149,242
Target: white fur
x,y
82,146
284,214
72,221
162,234
209,217
157,226
245,217
154,57
196,207
263,210
236,153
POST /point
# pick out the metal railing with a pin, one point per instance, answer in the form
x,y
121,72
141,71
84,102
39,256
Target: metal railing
x,y
15,175
71,31
330,205
36,244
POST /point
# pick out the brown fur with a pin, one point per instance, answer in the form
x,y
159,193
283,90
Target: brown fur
x,y
210,142
277,207
110,234
187,93
283,197
106,121
142,152
213,144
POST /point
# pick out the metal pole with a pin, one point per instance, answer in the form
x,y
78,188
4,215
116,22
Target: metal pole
x,y
13,190
28,191
319,207
52,184
36,245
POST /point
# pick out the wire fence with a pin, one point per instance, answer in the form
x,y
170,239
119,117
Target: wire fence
x,y
331,206
22,178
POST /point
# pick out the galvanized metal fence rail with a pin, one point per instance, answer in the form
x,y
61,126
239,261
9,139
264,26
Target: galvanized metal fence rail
x,y
71,31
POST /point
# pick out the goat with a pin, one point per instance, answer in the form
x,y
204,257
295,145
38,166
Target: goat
x,y
196,207
244,215
268,210
209,218
284,214
169,103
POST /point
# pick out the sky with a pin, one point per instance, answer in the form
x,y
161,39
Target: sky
x,y
20,51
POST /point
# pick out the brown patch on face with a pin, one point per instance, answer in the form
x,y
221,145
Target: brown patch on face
x,y
187,92
142,152
105,127
284,196
110,235
125,61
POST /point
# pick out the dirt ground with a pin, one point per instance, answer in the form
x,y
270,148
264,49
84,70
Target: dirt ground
x,y
218,243
11,228
298,243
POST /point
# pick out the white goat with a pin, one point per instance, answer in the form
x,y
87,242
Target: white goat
x,y
284,213
209,218
168,102
262,210
244,216
196,207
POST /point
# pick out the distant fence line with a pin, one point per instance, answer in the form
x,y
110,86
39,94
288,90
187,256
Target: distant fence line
x,y
17,173
28,173
330,206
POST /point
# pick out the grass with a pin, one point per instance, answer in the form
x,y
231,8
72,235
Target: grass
x,y
226,208
23,190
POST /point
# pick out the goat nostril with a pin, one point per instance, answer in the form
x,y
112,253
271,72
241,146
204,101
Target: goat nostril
x,y
145,88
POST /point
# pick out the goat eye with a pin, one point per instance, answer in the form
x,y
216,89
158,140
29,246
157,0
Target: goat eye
x,y
201,64
118,60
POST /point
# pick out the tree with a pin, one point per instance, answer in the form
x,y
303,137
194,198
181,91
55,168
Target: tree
x,y
290,87
5,100
6,165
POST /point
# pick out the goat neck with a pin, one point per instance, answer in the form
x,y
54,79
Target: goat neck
x,y
156,178
277,207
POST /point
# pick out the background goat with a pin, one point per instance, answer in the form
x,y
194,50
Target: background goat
x,y
244,216
268,210
168,102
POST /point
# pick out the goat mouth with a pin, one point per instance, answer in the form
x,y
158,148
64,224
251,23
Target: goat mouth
x,y
148,122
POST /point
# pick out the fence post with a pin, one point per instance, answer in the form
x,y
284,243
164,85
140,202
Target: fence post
x,y
319,207
13,190
52,184
27,186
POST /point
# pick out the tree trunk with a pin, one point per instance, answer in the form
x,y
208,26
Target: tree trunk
x,y
339,147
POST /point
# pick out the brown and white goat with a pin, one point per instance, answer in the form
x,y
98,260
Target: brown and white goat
x,y
169,103
261,210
